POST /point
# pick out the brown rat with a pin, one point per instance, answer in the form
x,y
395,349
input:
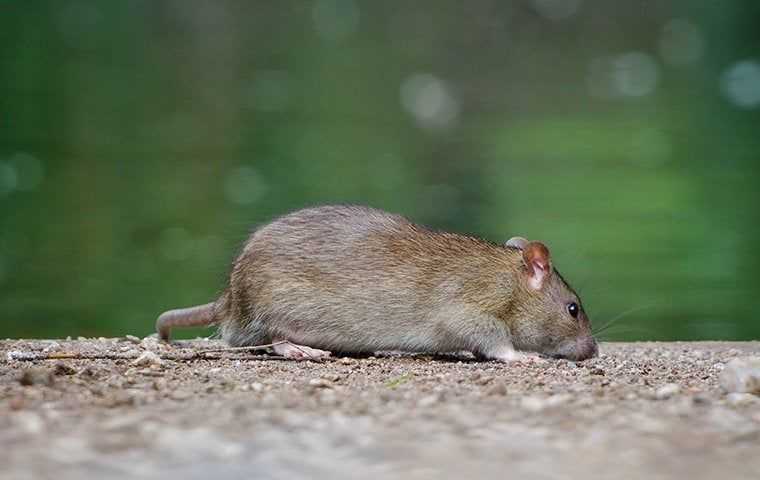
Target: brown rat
x,y
357,279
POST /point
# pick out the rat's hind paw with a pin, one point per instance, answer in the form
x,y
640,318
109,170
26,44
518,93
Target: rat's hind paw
x,y
299,352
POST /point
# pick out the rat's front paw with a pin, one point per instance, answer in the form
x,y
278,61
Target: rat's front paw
x,y
522,358
510,355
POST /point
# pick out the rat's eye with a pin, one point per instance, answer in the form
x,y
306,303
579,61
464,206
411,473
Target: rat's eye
x,y
573,309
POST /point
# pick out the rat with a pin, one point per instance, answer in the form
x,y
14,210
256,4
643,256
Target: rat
x,y
356,279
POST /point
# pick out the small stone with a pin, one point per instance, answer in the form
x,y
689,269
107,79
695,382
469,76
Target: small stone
x,y
51,346
119,399
741,375
150,343
29,422
257,387
428,401
36,376
319,383
597,371
498,389
537,404
741,399
666,391
17,403
132,339
89,372
146,359
180,395
61,368
533,404
346,360
18,355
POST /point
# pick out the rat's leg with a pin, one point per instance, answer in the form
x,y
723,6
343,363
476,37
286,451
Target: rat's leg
x,y
489,338
298,352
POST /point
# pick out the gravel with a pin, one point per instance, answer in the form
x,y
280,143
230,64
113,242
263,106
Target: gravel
x,y
640,410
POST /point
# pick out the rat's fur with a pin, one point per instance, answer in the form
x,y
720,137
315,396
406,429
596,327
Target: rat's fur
x,y
357,279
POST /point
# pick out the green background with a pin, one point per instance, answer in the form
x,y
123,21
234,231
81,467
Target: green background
x,y
141,141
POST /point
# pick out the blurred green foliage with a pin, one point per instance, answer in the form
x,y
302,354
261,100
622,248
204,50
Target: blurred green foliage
x,y
141,141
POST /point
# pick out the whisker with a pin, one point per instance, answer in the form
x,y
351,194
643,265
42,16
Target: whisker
x,y
609,323
618,330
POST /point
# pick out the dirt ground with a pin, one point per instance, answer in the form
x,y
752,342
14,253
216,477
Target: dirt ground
x,y
643,410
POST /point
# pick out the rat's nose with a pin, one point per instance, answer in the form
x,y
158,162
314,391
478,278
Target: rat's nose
x,y
586,348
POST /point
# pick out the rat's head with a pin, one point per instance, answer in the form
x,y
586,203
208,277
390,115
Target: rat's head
x,y
550,318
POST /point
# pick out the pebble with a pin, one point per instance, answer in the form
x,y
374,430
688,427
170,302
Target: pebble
x,y
29,422
51,346
119,399
741,399
61,368
537,404
320,383
497,389
15,355
741,375
17,402
146,359
483,380
180,395
36,376
150,343
666,391
428,401
89,372
132,338
190,445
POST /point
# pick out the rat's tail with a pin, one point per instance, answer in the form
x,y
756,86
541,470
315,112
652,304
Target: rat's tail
x,y
199,316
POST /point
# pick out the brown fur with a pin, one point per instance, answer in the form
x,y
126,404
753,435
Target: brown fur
x,y
356,279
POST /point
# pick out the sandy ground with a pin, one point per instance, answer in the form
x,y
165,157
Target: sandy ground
x,y
644,410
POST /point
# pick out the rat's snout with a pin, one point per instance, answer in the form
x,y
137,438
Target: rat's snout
x,y
578,349
585,348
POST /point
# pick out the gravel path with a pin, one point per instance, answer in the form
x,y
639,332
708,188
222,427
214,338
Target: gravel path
x,y
641,410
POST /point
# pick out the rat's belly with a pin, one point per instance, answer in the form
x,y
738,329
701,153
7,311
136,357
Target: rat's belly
x,y
358,324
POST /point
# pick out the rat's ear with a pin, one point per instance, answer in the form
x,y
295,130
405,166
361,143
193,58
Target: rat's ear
x,y
516,242
539,264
